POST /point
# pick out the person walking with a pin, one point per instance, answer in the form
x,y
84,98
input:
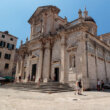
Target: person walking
x,y
98,85
19,78
80,87
102,85
76,87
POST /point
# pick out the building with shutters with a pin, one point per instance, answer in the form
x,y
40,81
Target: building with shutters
x,y
63,51
7,53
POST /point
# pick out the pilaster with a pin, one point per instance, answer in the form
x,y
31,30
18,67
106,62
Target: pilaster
x,y
39,70
106,75
17,72
96,59
27,68
46,63
22,68
63,55
84,61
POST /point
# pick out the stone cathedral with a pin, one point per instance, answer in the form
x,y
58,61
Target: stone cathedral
x,y
63,51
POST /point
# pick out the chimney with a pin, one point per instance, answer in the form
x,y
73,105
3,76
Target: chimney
x,y
6,32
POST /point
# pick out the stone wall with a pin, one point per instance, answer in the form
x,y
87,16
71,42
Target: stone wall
x,y
56,50
74,41
101,70
92,71
108,71
56,57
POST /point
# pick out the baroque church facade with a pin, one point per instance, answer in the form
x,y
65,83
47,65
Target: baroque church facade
x,y
63,51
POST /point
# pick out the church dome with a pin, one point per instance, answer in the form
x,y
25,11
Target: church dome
x,y
89,18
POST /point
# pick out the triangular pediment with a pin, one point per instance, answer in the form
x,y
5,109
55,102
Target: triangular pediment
x,y
42,9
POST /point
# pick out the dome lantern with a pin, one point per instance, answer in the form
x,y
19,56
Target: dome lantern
x,y
88,18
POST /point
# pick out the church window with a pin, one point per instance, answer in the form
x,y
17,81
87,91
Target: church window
x,y
90,48
38,28
72,61
107,56
100,52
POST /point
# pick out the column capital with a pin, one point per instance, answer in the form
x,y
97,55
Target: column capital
x,y
63,41
47,45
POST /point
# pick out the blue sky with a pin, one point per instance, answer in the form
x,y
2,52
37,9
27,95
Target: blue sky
x,y
14,14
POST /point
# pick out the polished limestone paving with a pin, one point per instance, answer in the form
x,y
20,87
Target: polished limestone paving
x,y
25,99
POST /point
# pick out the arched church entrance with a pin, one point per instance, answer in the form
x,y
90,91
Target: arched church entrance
x,y
56,72
33,75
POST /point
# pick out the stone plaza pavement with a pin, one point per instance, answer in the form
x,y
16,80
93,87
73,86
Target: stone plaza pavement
x,y
15,99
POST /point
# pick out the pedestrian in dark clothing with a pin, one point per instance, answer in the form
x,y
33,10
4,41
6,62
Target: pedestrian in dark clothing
x,y
79,87
19,78
102,85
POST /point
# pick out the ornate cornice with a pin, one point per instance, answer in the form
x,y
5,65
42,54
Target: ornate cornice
x,y
95,38
77,27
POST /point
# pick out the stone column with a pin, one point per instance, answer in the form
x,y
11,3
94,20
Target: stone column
x,y
96,61
84,60
17,72
27,68
63,62
46,64
22,68
106,75
39,70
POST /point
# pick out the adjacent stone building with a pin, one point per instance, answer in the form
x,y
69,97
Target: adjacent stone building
x,y
7,53
63,51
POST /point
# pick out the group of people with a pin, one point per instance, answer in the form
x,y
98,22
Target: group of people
x,y
100,85
79,86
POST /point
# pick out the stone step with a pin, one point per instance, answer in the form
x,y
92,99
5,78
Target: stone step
x,y
41,85
44,87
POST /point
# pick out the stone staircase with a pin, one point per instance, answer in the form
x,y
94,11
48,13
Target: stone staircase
x,y
50,87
